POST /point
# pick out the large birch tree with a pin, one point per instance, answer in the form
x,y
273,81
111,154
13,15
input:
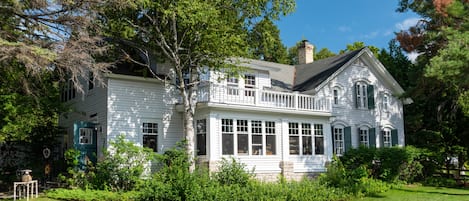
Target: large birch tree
x,y
191,35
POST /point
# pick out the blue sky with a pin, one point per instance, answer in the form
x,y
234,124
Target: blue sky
x,y
333,24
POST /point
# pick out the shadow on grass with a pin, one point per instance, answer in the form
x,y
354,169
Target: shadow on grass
x,y
433,192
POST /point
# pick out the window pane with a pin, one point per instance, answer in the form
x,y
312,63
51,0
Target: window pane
x,y
243,144
319,145
294,145
201,137
227,144
307,145
256,126
151,141
270,145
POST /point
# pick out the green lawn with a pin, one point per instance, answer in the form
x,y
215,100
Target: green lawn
x,y
421,193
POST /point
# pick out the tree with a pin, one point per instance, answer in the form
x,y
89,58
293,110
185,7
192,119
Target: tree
x,y
58,36
265,42
191,35
358,45
438,118
323,53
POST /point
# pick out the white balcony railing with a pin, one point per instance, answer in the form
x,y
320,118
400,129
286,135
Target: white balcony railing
x,y
214,93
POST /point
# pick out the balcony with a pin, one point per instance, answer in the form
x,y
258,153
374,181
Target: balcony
x,y
213,93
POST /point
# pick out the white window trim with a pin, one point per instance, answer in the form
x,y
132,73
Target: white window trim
x,y
363,133
338,150
301,134
361,95
88,134
250,134
158,134
387,141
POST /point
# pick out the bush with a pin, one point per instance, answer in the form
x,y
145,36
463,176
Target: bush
x,y
75,177
233,172
387,164
123,166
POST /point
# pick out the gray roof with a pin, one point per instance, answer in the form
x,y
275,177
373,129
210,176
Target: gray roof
x,y
309,76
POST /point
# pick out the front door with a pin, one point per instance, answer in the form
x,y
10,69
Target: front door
x,y
85,141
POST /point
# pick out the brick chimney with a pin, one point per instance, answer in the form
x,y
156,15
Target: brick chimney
x,y
305,52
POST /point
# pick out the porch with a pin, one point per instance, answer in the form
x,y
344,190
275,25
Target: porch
x,y
221,94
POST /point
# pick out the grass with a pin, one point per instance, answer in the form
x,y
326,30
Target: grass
x,y
421,193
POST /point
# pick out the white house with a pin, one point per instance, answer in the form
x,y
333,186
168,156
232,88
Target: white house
x,y
277,119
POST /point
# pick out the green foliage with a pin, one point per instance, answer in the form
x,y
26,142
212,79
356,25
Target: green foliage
x,y
91,195
323,53
76,178
265,42
387,164
232,172
356,181
440,182
123,165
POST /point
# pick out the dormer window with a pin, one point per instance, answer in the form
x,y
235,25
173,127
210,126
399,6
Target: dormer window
x,y
364,96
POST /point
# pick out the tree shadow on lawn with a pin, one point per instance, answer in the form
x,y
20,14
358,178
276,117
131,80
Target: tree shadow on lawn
x,y
433,192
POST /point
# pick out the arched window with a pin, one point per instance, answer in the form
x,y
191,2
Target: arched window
x,y
364,95
339,144
363,133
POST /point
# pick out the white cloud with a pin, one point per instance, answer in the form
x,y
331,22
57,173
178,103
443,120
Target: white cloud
x,y
404,25
345,29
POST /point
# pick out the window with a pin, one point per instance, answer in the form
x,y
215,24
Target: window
x,y
243,137
150,136
385,102
86,136
68,91
336,96
227,136
361,95
386,134
201,137
294,138
232,86
256,130
270,138
338,133
318,139
90,80
363,134
307,139
249,84
250,137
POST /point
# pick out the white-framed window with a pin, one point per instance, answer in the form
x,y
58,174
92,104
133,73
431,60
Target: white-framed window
x,y
294,138
201,130
68,91
86,136
336,96
232,84
227,134
361,95
386,136
318,139
251,137
256,137
242,136
249,84
385,102
305,138
150,135
338,132
364,136
270,138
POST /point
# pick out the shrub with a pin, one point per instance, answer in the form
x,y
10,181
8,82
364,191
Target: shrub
x,y
232,172
122,166
75,177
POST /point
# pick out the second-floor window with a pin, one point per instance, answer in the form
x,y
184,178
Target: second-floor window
x,y
335,94
249,84
232,85
364,96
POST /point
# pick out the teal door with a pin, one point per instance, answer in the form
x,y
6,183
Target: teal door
x,y
84,140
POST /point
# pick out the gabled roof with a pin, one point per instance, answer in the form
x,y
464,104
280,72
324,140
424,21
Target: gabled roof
x,y
309,76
